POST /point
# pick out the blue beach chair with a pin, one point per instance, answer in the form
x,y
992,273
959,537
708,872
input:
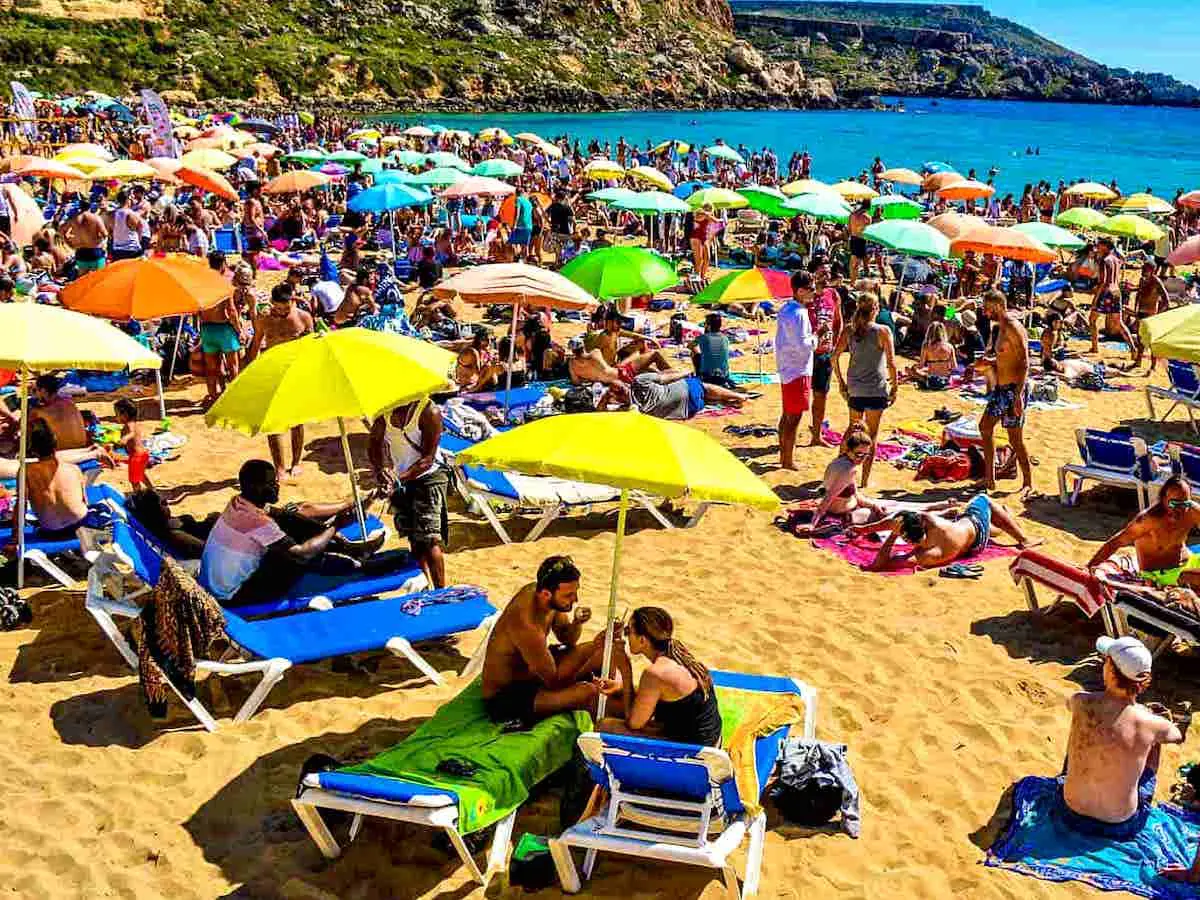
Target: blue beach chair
x,y
40,551
1184,391
678,802
1112,458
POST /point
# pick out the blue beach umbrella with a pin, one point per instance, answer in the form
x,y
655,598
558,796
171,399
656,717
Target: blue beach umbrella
x,y
387,197
932,168
687,188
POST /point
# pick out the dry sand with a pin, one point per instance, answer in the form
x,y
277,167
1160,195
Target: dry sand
x,y
945,691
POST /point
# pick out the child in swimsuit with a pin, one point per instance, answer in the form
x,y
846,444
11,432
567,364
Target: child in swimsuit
x,y
134,443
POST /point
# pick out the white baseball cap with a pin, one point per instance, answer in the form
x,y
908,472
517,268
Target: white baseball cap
x,y
1129,655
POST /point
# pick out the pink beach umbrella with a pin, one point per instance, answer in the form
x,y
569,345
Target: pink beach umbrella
x,y
479,186
1186,253
1190,199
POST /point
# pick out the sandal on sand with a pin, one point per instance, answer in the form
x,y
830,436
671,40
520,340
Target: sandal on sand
x,y
959,570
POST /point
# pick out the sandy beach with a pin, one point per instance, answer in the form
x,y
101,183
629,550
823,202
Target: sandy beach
x,y
946,692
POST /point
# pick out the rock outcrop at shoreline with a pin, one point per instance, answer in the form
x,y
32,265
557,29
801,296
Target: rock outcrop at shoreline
x,y
529,55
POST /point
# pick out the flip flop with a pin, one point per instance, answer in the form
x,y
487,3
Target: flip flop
x,y
958,570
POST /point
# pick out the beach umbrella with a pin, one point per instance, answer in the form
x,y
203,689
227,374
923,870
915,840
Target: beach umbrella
x,y
687,188
600,169
1174,334
807,186
260,149
1191,199
1128,225
124,170
966,190
443,176
1051,235
550,150
296,182
86,149
909,238
217,160
36,167
37,338
747,286
652,203
478,186
187,132
612,272
498,168
668,459
826,206
165,166
26,216
507,212
81,161
1142,203
1081,217
1091,190
387,197
939,180
444,160
933,168
723,151
1186,253
529,137
333,169
309,156
346,157
853,190
1003,242
350,373
901,176
767,200
651,175
955,224
680,146
409,158
418,131
364,134
391,140
394,176
208,180
370,166
493,133
516,284
717,198
896,207
261,126
611,194
11,163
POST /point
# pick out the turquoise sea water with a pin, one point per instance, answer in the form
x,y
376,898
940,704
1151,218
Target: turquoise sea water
x,y
1139,146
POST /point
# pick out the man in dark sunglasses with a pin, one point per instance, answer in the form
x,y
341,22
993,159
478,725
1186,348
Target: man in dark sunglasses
x,y
1159,536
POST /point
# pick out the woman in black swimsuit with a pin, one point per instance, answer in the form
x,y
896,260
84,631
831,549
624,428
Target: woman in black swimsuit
x,y
675,699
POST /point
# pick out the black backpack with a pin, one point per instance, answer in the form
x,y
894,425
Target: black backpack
x,y
813,804
578,399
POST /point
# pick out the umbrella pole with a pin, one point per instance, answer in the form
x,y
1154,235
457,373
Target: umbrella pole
x,y
612,596
22,452
512,350
174,356
162,400
358,507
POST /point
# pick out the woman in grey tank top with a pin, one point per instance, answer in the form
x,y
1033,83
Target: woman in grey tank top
x,y
869,384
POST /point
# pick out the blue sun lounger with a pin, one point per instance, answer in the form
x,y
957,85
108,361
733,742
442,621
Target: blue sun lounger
x,y
40,551
275,645
678,802
1184,391
1113,458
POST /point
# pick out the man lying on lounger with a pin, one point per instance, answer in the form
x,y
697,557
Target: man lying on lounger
x,y
1159,537
939,540
523,679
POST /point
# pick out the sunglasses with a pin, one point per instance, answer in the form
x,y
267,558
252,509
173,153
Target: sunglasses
x,y
1179,504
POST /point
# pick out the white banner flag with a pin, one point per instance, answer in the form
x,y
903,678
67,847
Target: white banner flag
x,y
162,136
25,110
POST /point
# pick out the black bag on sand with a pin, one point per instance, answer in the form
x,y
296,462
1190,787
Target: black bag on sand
x,y
813,804
14,611
532,867
578,399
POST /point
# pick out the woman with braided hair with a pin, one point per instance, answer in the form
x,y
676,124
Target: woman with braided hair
x,y
675,699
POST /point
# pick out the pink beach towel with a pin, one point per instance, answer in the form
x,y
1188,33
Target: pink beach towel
x,y
861,552
717,412
884,450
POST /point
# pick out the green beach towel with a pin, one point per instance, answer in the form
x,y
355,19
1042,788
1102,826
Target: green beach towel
x,y
507,765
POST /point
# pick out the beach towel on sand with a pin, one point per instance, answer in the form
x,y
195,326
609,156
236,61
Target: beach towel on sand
x,y
507,765
861,552
1037,842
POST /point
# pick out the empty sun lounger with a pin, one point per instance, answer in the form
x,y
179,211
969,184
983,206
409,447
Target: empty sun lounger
x,y
404,783
1184,391
679,803
1114,459
275,645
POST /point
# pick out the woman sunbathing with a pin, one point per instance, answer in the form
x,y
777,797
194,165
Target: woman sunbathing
x,y
675,699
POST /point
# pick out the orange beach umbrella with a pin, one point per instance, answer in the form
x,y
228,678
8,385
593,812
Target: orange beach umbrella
x,y
296,182
147,288
1004,242
207,179
966,190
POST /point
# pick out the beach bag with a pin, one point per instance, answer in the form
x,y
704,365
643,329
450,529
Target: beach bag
x,y
14,611
945,465
532,866
934,383
1091,381
1045,391
811,804
578,399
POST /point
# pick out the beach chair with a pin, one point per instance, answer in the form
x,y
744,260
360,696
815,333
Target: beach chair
x,y
227,239
1087,590
1111,458
1131,609
1185,461
1184,391
678,803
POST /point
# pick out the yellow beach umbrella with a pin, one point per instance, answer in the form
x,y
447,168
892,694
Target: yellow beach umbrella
x,y
550,150
717,198
529,137
680,146
391,140
124,170
902,176
364,134
651,175
81,161
1174,334
603,168
351,373
208,158
806,186
36,338
853,190
630,451
48,168
1091,190
1142,203
84,149
1128,225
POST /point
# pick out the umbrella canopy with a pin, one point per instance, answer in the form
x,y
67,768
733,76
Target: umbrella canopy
x,y
748,286
966,190
260,149
124,170
901,176
498,168
12,163
409,158
97,150
1051,235
806,186
1142,203
611,194
723,151
206,179
295,182
261,126
896,207
1081,217
507,213
612,272
1186,253
478,186
1130,226
27,218
331,168
1003,242
492,133
1091,190
1191,199
652,203
717,198
685,189
515,283
395,176
853,190
445,160
387,197
165,166
599,169
361,134
933,168
767,200
955,224
651,175
909,238
1174,334
443,176
147,288
420,131
940,180
37,167
826,206
309,156
80,161
529,137
680,146
217,160
347,157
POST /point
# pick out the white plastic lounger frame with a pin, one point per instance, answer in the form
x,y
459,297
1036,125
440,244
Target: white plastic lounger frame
x,y
675,831
1188,401
1147,491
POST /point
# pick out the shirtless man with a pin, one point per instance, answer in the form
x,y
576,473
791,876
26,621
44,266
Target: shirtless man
x,y
282,323
1150,300
1159,536
60,413
254,224
523,680
220,341
1107,299
87,234
859,220
939,540
1114,745
590,366
359,299
1008,399
55,488
608,342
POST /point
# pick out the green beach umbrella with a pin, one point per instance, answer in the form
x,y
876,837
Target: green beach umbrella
x,y
767,200
498,168
370,166
1051,235
652,203
612,272
827,206
308,156
346,157
717,198
723,151
1128,225
909,238
440,177
1081,217
896,207
444,159
611,194
409,158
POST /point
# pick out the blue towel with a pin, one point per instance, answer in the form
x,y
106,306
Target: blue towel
x,y
329,269
1037,843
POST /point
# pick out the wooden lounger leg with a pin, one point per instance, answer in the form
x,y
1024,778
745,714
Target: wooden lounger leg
x,y
548,516
568,875
1031,598
501,844
310,816
465,854
402,647
42,561
754,855
1063,497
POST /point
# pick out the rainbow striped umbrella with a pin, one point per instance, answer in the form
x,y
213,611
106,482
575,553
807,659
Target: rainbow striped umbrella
x,y
748,286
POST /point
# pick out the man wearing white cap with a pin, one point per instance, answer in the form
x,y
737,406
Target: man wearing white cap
x,y
1112,755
